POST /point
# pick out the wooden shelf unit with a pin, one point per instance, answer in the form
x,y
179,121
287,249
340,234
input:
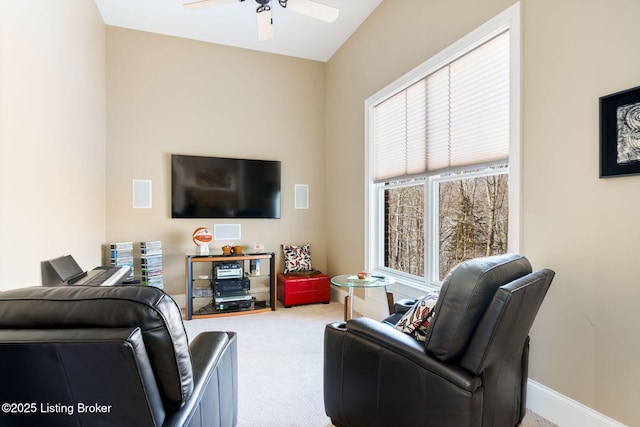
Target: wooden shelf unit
x,y
259,280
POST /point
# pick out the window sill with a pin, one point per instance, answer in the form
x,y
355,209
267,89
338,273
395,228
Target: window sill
x,y
406,288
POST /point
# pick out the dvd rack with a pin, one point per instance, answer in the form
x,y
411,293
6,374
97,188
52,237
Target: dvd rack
x,y
151,264
121,255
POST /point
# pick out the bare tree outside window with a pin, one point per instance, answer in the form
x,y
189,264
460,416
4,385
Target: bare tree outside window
x,y
473,222
404,229
473,219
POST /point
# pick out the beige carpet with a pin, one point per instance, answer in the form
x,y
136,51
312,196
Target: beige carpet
x,y
280,365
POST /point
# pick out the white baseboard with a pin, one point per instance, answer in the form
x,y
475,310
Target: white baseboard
x,y
563,411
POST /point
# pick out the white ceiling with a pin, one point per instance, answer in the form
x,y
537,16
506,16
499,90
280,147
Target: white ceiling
x,y
235,24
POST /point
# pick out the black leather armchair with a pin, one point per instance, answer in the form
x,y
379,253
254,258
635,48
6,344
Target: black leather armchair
x,y
470,371
110,356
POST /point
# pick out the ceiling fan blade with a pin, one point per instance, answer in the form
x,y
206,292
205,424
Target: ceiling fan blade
x,y
206,3
265,25
314,9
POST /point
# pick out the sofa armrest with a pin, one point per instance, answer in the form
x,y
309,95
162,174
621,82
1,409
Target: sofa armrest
x,y
215,371
404,346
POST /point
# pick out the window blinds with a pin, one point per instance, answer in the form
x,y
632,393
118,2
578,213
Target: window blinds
x,y
455,117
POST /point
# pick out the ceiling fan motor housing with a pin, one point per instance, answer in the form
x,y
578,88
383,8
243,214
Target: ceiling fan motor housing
x,y
283,3
264,6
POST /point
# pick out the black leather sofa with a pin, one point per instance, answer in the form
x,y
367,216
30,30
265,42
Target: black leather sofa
x,y
472,369
110,356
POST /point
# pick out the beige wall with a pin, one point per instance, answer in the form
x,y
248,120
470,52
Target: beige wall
x,y
581,226
52,123
170,95
584,342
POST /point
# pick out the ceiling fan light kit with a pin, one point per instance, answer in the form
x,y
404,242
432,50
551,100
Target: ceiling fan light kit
x,y
264,19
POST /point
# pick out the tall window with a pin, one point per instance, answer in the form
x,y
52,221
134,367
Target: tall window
x,y
441,167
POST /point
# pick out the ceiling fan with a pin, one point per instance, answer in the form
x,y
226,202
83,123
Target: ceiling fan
x,y
263,12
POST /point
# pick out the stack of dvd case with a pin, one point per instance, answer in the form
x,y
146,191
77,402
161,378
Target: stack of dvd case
x,y
121,254
151,264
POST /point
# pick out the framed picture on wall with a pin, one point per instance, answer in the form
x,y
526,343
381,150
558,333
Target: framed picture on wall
x,y
620,133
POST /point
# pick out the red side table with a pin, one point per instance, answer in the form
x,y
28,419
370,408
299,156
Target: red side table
x,y
303,289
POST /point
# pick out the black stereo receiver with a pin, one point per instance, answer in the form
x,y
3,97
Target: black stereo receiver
x,y
231,286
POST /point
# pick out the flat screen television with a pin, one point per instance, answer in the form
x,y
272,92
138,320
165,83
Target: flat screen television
x,y
218,187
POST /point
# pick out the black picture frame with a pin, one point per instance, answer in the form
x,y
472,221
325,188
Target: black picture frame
x,y
620,133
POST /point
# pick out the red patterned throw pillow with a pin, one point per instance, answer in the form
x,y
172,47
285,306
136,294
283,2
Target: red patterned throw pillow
x,y
296,258
415,321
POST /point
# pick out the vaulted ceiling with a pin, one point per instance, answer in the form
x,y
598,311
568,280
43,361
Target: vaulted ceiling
x,y
234,24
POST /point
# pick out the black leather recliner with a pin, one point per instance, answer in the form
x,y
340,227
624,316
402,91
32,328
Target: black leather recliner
x,y
470,371
110,356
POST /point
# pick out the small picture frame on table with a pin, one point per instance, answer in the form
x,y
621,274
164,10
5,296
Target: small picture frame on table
x,y
620,133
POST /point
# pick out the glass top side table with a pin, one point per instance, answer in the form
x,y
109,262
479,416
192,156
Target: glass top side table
x,y
351,281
